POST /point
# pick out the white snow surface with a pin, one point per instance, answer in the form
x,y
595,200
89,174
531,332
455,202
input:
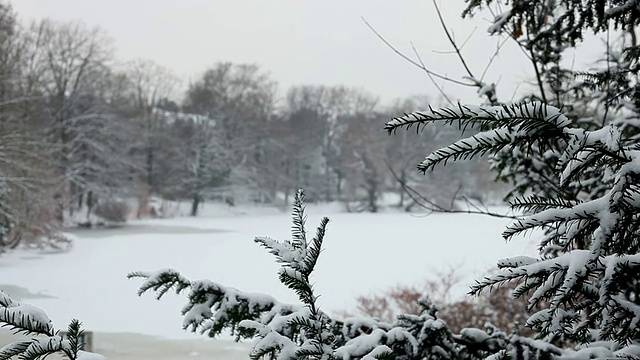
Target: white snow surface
x,y
84,355
363,253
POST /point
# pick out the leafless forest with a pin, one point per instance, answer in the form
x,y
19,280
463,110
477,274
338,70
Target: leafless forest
x,y
83,132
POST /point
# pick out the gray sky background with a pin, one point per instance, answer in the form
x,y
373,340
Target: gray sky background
x,y
297,41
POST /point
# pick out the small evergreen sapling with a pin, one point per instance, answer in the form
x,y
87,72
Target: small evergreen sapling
x,y
303,331
45,340
285,331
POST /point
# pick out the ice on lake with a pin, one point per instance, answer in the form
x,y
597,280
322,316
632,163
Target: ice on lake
x,y
363,253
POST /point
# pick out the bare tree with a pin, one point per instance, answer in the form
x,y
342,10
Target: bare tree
x,y
407,144
150,84
65,61
240,99
362,148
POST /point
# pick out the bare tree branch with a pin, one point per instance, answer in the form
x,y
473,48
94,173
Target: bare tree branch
x,y
429,205
410,60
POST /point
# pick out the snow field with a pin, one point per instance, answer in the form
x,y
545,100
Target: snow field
x,y
363,253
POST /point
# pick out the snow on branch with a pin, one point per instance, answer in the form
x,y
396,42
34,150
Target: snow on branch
x,y
467,148
212,307
583,211
473,116
45,340
24,318
500,21
161,281
519,125
303,331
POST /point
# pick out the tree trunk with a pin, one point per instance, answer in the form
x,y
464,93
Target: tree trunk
x,y
372,193
195,203
339,185
150,170
403,182
90,203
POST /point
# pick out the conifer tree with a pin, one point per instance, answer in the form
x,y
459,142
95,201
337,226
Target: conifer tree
x,y
590,249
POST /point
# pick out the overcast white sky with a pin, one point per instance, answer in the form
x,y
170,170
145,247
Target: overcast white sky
x,y
297,41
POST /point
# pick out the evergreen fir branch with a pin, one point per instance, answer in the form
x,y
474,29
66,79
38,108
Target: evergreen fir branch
x,y
315,247
74,336
467,116
501,278
480,144
5,300
463,115
285,252
311,349
39,348
574,234
297,282
563,281
26,319
283,329
546,288
160,281
297,230
526,286
540,128
273,345
577,167
584,211
619,315
29,320
303,322
536,204
13,349
364,345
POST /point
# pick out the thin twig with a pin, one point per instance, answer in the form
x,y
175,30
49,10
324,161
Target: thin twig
x,y
493,57
432,207
606,102
415,51
515,91
410,60
534,61
457,49
468,38
452,41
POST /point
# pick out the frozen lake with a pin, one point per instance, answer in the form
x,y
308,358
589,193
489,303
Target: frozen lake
x,y
363,253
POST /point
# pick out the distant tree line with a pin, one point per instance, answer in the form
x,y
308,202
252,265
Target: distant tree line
x,y
81,131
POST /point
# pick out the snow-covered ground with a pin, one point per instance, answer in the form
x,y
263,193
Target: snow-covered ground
x,y
363,253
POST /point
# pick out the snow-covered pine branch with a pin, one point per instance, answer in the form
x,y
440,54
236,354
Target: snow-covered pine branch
x,y
286,330
24,318
589,242
45,340
523,124
303,331
478,117
161,281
